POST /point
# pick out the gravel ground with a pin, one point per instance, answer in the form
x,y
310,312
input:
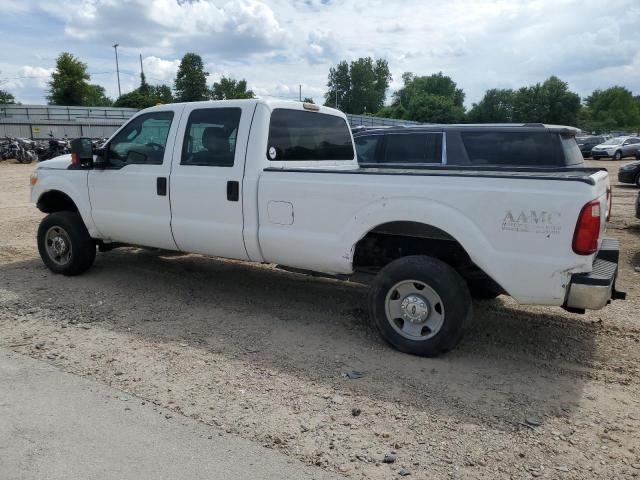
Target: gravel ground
x,y
261,353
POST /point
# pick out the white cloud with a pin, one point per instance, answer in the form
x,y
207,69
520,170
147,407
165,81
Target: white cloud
x,y
277,44
159,70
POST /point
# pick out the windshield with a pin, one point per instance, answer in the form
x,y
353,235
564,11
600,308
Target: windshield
x,y
614,141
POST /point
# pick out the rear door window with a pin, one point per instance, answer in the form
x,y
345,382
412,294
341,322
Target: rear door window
x,y
526,149
210,137
296,135
418,148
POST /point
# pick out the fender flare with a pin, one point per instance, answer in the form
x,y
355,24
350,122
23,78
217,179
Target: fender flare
x,y
411,209
59,183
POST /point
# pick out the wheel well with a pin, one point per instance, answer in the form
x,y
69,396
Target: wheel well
x,y
56,201
393,240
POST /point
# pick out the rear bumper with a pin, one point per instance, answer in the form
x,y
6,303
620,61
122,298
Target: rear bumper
x,y
594,290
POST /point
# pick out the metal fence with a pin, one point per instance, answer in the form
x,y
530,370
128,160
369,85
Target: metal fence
x,y
369,121
43,121
62,113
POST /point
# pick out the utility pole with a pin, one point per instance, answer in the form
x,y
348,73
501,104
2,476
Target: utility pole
x,y
115,47
336,97
300,91
141,69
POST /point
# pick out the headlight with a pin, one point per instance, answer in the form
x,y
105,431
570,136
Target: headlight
x,y
33,179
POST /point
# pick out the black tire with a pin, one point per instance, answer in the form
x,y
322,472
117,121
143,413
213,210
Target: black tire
x,y
617,155
81,247
447,284
484,290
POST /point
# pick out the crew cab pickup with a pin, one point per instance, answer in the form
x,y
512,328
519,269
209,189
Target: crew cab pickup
x,y
279,182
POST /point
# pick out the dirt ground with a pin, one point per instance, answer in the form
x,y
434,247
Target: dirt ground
x,y
261,353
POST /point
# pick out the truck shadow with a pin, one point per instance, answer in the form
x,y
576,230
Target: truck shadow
x,y
511,361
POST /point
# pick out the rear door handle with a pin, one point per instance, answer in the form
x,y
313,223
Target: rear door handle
x,y
233,191
161,186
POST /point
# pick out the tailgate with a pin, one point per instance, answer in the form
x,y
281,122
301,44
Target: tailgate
x,y
603,194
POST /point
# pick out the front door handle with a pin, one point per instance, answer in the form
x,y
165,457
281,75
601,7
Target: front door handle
x,y
233,191
161,186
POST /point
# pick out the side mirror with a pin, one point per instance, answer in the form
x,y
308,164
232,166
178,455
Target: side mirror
x,y
100,159
82,152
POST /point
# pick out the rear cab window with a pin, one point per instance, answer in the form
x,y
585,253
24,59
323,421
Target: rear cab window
x,y
297,135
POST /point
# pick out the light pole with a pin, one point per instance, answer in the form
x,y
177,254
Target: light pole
x,y
115,47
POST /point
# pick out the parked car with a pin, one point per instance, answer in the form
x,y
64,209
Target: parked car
x,y
278,182
617,148
586,144
481,145
630,173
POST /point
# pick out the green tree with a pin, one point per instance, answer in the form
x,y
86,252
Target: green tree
x,y
96,97
549,102
339,93
191,80
133,99
359,87
69,83
614,108
162,93
433,98
495,107
7,98
564,105
228,88
145,95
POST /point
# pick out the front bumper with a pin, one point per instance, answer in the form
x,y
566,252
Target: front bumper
x,y
594,290
625,176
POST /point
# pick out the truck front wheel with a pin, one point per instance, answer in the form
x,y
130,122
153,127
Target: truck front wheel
x,y
64,243
420,305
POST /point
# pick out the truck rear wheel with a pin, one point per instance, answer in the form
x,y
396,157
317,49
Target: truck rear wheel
x,y
64,243
420,305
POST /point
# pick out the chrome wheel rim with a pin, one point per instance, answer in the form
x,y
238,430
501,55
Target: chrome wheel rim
x,y
414,310
58,245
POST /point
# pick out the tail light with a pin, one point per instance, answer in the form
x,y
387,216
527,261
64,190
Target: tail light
x,y
609,201
585,238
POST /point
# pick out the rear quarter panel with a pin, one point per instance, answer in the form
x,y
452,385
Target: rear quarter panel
x,y
519,231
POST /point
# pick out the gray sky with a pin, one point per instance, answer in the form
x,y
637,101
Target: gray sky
x,y
278,44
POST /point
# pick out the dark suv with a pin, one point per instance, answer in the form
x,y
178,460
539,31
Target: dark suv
x,y
586,144
482,145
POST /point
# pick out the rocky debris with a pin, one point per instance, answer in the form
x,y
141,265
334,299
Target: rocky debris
x,y
533,420
404,473
355,411
354,375
389,458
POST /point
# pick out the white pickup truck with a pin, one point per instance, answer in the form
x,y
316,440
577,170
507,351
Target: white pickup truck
x,y
279,182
